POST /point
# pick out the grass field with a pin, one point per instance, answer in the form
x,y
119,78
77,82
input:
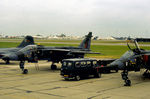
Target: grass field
x,y
107,51
72,41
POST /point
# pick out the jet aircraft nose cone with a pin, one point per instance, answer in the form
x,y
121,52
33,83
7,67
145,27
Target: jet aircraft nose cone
x,y
117,63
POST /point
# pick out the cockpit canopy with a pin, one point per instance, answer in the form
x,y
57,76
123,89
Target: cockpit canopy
x,y
29,48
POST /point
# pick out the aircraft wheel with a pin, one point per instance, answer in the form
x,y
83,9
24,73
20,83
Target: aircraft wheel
x,y
128,83
25,71
53,67
77,78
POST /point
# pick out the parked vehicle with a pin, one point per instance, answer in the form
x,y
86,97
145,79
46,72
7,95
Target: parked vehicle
x,y
77,68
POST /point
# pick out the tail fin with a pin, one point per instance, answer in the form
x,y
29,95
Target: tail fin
x,y
86,43
28,40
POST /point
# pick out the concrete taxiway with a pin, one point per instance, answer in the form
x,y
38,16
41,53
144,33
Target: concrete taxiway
x,y
48,84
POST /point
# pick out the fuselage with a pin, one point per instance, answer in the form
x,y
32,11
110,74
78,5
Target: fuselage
x,y
5,51
128,56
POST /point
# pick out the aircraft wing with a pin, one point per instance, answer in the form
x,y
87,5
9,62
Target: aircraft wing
x,y
69,51
2,55
84,52
61,50
147,54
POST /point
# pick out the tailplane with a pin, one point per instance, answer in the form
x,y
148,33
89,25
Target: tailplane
x,y
28,40
86,43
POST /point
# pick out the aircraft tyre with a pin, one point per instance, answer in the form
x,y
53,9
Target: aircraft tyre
x,y
25,71
77,78
53,67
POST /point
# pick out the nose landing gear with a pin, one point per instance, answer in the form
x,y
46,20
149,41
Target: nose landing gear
x,y
124,75
24,71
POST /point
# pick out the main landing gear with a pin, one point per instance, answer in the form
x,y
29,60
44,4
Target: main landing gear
x,y
124,75
53,66
24,71
7,62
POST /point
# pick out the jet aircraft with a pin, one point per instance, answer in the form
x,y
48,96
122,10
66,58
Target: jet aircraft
x,y
4,52
133,60
33,53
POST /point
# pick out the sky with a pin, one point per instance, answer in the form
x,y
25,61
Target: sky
x,y
75,17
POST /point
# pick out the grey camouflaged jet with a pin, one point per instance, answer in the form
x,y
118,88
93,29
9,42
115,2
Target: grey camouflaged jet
x,y
133,60
4,52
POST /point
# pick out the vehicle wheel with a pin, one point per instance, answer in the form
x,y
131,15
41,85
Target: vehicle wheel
x,y
77,78
53,67
25,71
98,75
146,75
128,83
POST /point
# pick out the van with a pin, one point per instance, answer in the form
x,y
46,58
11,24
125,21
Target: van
x,y
77,68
